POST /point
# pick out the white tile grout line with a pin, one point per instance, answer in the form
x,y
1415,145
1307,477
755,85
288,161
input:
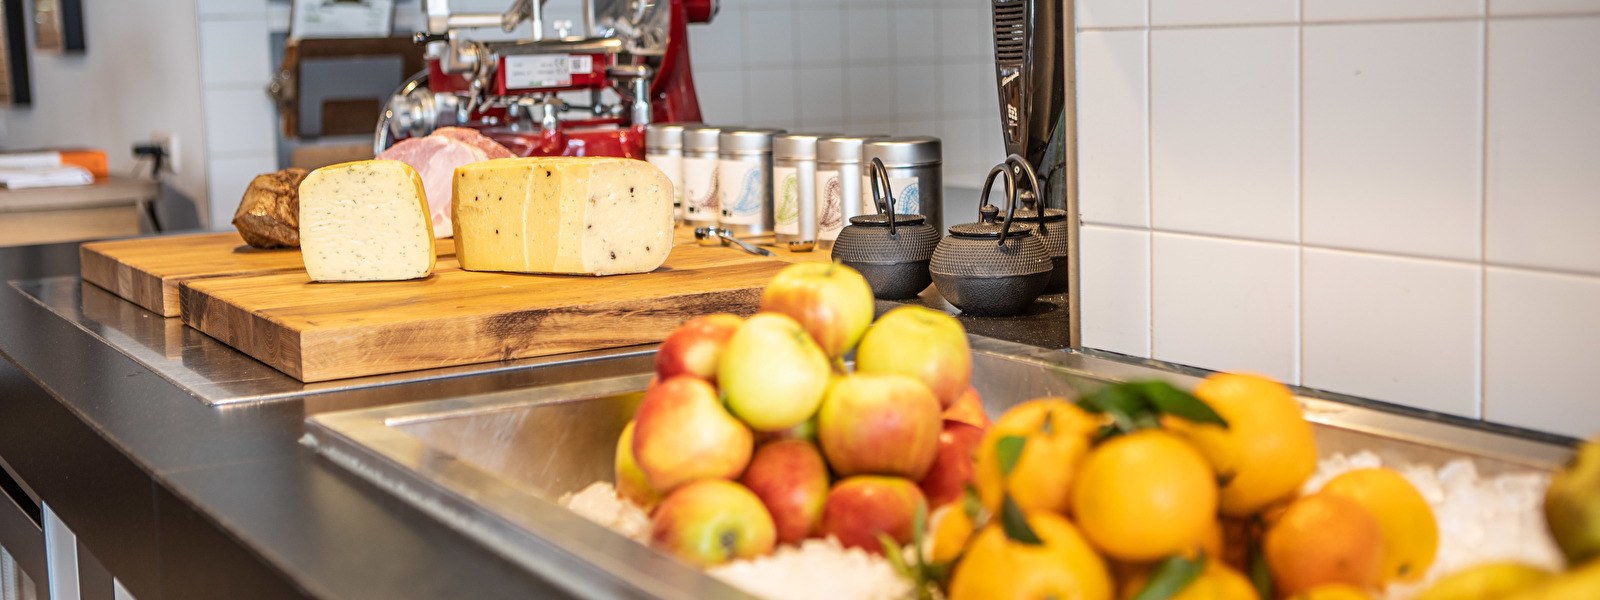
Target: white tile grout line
x,y
1483,226
1149,181
1300,184
1371,21
1557,271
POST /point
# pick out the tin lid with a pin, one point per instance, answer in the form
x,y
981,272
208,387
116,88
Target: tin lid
x,y
665,135
903,151
842,148
746,141
1029,211
701,137
802,146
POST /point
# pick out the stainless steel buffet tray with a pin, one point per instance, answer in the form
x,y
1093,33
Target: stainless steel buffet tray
x,y
212,371
494,465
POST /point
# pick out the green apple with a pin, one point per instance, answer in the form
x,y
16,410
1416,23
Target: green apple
x,y
632,484
861,507
712,521
772,373
682,434
791,479
831,301
923,343
881,424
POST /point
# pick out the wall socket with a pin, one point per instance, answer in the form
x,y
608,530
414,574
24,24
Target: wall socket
x,y
169,145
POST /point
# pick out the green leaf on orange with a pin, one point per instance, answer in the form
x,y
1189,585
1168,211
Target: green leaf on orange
x,y
1171,576
1260,574
1173,401
897,559
1009,450
1015,523
1121,402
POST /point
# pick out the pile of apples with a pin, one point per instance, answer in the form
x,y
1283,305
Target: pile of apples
x,y
754,433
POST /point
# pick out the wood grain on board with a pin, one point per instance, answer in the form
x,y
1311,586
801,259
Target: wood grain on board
x,y
147,271
322,331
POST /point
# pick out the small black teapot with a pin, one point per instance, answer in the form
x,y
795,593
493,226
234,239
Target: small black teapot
x,y
988,267
891,250
1050,223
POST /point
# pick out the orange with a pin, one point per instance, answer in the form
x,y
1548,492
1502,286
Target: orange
x,y
1217,582
1057,438
1324,539
1145,495
1266,452
1333,592
1410,532
1064,567
951,530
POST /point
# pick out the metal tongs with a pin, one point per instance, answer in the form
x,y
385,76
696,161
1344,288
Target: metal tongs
x,y
712,236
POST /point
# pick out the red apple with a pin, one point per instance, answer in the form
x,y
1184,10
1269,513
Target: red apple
x,y
792,481
879,424
710,522
953,465
772,373
683,433
968,409
695,347
861,507
805,431
831,301
923,343
632,484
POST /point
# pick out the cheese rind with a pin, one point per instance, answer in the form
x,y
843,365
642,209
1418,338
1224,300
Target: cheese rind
x,y
365,221
563,215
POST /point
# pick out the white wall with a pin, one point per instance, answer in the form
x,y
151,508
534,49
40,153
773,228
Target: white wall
x,y
240,121
896,67
1389,199
140,75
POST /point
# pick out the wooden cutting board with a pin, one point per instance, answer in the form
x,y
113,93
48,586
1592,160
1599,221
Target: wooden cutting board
x,y
147,271
322,331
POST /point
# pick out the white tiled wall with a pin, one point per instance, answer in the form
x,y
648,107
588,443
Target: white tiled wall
x,y
897,67
1396,200
239,118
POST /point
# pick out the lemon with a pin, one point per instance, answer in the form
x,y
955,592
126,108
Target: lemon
x,y
1486,582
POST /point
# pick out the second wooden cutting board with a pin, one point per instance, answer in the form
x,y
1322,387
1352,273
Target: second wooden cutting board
x,y
322,331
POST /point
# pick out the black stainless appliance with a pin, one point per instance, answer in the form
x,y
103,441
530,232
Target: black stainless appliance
x,y
1029,46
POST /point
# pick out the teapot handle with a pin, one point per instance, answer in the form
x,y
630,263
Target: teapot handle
x,y
876,171
1018,163
1011,198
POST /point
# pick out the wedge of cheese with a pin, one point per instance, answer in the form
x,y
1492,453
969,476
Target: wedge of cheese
x,y
365,221
567,215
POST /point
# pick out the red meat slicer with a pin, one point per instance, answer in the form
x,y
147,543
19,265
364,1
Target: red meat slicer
x,y
589,94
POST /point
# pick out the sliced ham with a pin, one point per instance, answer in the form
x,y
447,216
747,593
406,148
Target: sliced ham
x,y
435,157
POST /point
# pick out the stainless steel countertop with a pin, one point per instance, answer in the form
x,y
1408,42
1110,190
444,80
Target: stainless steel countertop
x,y
180,499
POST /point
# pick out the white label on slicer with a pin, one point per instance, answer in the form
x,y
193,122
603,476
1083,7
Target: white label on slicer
x,y
743,191
699,189
580,64
907,196
786,200
673,167
830,204
538,71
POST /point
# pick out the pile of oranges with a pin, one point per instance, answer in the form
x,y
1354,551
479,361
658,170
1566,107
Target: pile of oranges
x,y
1147,492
